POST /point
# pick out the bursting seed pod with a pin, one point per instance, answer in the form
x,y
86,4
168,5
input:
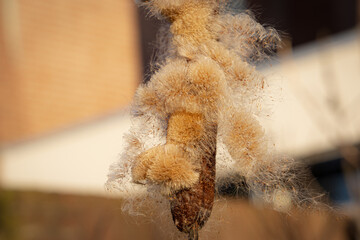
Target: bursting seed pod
x,y
198,116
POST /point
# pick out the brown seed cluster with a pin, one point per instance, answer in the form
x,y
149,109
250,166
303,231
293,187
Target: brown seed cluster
x,y
199,113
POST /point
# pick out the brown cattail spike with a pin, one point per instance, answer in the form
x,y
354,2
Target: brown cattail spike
x,y
192,207
204,100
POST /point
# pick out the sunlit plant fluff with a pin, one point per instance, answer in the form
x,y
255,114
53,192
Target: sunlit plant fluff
x,y
205,98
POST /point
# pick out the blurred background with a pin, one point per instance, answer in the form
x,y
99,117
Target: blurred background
x,y
68,72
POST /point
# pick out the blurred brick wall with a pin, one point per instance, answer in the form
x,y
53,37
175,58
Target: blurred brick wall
x,y
63,62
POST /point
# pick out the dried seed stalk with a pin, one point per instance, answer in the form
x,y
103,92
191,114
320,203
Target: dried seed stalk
x,y
204,93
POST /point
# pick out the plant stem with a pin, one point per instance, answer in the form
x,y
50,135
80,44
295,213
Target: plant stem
x,y
194,234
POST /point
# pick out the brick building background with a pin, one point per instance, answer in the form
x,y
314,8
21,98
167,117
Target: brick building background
x,y
64,62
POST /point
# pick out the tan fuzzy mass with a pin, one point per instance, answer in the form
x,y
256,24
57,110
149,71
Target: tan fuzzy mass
x,y
165,86
245,140
219,54
143,162
177,87
206,83
172,169
146,100
246,37
192,22
185,128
